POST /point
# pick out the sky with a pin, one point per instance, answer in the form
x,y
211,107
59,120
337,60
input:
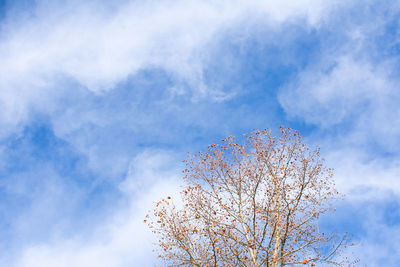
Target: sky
x,y
100,101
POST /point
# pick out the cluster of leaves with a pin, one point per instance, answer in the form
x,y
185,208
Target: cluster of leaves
x,y
250,204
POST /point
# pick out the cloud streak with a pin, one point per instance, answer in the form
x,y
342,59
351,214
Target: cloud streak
x,y
98,49
122,239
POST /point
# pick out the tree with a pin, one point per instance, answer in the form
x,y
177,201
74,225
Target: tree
x,y
251,204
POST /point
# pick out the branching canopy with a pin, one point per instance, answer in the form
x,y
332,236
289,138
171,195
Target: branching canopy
x,y
255,203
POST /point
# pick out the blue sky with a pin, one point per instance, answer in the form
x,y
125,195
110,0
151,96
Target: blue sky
x,y
100,102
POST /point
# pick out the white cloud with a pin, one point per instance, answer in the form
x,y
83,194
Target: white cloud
x,y
353,83
377,220
328,95
360,176
123,239
98,48
61,55
348,91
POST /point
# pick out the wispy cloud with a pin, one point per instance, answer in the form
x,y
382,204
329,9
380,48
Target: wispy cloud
x,y
121,239
98,48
